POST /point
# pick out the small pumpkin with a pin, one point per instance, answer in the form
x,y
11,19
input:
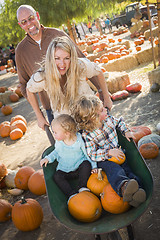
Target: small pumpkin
x,y
6,109
19,124
1,104
2,183
27,214
18,117
149,150
2,89
22,177
155,138
140,131
119,160
134,87
14,97
97,181
18,92
5,130
119,95
5,210
16,134
112,202
4,123
3,171
85,207
138,48
36,183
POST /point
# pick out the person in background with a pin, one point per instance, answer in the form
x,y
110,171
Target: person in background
x,y
89,25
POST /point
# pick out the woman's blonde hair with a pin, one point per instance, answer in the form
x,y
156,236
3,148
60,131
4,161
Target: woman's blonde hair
x,y
66,122
85,112
58,98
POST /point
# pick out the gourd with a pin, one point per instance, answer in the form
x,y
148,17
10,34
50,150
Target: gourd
x,y
27,214
5,210
112,202
140,131
134,87
19,124
97,181
18,117
149,150
3,171
155,138
5,130
36,183
85,207
6,109
119,95
22,177
9,178
119,160
16,134
14,97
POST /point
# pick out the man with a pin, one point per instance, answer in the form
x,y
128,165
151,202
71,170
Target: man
x,y
31,51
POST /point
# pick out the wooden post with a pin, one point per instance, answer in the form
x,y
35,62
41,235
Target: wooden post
x,y
158,13
151,33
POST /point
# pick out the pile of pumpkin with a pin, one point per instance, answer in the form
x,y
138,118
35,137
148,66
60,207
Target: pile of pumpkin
x,y
26,214
15,128
101,195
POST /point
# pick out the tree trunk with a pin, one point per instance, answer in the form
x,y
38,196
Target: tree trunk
x,y
158,13
70,30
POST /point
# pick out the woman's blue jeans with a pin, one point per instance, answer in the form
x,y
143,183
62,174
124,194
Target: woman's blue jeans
x,y
117,174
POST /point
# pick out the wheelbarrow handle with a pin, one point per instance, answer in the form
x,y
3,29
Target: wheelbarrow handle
x,y
49,134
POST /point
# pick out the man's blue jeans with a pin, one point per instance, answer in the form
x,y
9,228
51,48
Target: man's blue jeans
x,y
117,174
50,115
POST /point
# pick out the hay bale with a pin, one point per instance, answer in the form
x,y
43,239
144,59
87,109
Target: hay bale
x,y
121,64
4,97
117,81
154,76
154,31
145,55
126,43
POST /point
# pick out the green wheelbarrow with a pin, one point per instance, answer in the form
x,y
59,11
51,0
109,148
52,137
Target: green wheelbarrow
x,y
108,223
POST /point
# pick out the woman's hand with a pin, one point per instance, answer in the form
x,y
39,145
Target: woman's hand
x,y
44,161
42,121
129,135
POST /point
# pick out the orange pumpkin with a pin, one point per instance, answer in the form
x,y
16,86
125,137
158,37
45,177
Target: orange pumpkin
x,y
138,48
2,89
5,210
3,171
22,177
27,214
5,130
19,124
112,202
4,123
97,181
139,132
6,109
85,207
149,150
156,41
36,183
18,92
1,104
18,117
14,97
16,134
119,160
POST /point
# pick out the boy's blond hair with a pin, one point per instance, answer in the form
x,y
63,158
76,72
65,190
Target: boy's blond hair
x,y
66,122
85,112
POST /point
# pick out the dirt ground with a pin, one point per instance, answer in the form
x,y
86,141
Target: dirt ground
x,y
141,108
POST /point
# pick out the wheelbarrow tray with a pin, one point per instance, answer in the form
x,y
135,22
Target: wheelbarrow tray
x,y
107,222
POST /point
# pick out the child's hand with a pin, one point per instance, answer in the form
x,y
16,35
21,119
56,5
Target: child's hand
x,y
94,170
129,135
44,161
116,152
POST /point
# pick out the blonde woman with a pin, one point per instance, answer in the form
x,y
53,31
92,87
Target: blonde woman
x,y
63,75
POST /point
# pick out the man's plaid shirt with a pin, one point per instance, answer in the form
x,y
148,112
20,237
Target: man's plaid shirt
x,y
101,140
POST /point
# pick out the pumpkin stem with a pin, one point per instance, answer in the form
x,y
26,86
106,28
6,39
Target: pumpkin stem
x,y
100,174
23,200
